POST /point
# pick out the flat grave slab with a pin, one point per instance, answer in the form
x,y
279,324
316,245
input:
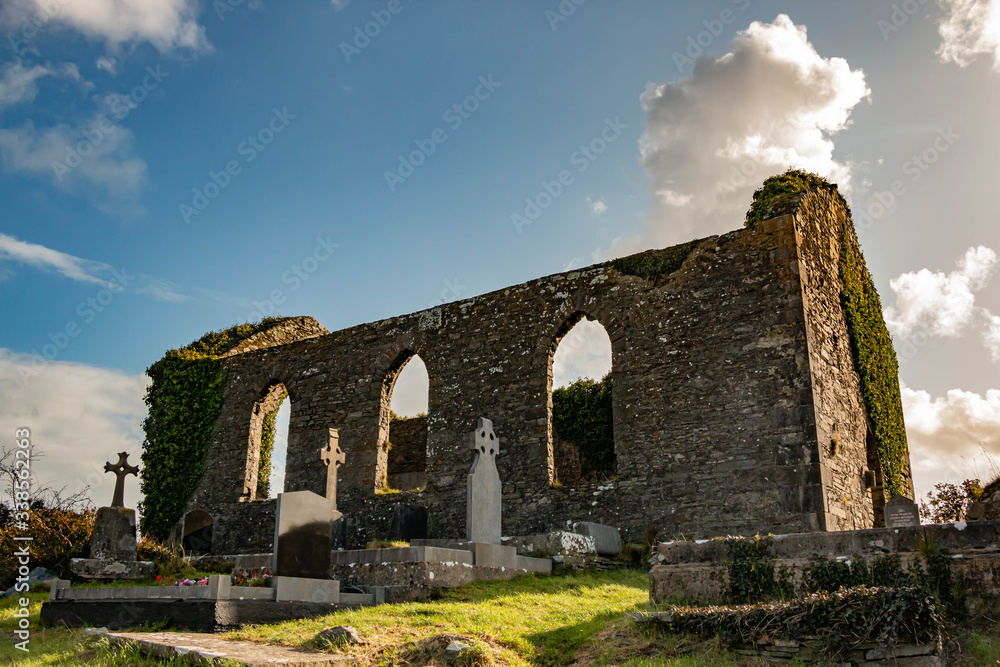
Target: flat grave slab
x,y
207,649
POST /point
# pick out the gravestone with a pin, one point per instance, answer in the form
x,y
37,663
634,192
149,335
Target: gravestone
x,y
112,540
332,457
901,512
303,532
483,511
607,539
409,522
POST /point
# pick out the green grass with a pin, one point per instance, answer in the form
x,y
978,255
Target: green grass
x,y
578,618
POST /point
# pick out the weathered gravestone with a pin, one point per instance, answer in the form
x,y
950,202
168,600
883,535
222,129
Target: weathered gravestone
x,y
901,512
303,531
112,541
332,457
409,522
607,539
483,511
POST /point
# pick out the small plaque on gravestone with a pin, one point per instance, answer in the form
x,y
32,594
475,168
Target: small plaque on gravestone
x,y
303,528
901,512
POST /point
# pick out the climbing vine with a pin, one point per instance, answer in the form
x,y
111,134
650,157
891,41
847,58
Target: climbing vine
x,y
185,400
266,450
581,415
871,345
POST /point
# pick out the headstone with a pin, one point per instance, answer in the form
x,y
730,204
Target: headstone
x,y
303,531
339,538
112,540
607,539
332,457
483,511
901,512
409,522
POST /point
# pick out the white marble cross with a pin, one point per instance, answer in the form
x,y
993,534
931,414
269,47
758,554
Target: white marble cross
x,y
483,512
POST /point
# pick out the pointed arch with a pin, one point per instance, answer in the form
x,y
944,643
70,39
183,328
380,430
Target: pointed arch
x,y
260,441
401,461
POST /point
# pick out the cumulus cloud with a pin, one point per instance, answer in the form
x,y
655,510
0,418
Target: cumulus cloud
x,y
948,434
583,352
80,416
991,338
769,103
970,28
166,24
942,303
97,155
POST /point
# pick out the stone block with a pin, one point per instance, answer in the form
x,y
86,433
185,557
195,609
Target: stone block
x,y
534,565
305,590
303,532
91,568
607,539
113,537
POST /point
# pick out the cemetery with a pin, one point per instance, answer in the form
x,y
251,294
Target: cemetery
x,y
748,459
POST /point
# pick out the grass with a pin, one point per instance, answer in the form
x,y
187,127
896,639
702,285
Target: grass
x,y
576,619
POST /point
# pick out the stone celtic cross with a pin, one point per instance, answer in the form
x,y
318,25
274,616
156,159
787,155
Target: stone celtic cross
x,y
120,469
332,457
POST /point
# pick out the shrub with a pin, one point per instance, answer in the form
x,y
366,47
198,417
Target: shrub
x,y
581,415
58,536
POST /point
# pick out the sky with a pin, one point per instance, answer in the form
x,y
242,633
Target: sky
x,y
171,167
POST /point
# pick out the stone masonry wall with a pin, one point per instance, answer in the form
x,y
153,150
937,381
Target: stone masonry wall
x,y
728,374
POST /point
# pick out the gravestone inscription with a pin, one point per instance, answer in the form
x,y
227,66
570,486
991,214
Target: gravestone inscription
x,y
901,512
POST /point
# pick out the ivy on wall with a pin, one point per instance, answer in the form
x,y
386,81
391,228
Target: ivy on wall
x,y
655,264
871,345
266,450
184,400
581,415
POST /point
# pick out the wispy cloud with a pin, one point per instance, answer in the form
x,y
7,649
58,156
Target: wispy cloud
x,y
970,28
38,256
597,207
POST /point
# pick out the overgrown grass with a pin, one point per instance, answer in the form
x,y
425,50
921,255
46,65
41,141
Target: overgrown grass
x,y
579,618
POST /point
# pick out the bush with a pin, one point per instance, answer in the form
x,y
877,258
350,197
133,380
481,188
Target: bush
x,y
581,415
58,536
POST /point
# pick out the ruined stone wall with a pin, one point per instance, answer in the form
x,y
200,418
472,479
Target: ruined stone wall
x,y
407,459
728,377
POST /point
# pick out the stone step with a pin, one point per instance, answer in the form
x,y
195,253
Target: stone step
x,y
207,649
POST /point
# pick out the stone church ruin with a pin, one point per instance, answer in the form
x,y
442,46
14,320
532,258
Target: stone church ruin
x,y
737,402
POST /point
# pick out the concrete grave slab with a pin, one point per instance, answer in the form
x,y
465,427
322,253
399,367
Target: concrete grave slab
x,y
206,649
310,590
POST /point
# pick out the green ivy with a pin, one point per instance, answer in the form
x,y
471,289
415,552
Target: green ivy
x,y
752,575
266,450
185,400
581,415
654,264
871,345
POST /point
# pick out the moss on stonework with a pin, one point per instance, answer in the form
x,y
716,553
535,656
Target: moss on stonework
x,y
266,450
871,345
655,264
185,400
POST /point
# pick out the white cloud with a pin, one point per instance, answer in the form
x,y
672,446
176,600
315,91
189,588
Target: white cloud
x,y
340,4
771,102
942,303
166,24
948,434
75,268
991,337
583,352
80,416
970,28
108,64
17,83
77,159
597,207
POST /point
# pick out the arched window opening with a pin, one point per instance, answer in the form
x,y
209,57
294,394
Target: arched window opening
x,y
403,444
198,529
580,405
269,421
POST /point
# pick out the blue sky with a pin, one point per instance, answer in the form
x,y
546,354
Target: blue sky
x,y
250,158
